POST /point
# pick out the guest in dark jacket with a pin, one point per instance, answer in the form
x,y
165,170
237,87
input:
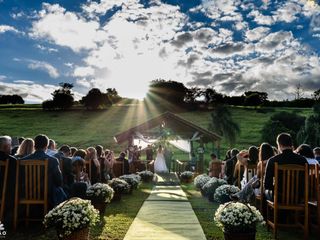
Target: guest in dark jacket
x,y
5,150
56,194
63,155
230,166
122,158
316,153
286,156
149,153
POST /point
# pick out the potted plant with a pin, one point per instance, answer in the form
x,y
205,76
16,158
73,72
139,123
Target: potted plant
x,y
200,180
100,194
119,186
186,177
238,220
133,180
222,193
210,187
72,219
146,176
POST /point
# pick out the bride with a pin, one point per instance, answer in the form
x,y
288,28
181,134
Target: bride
x,y
160,162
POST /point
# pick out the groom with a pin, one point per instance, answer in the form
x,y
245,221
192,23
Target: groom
x,y
168,157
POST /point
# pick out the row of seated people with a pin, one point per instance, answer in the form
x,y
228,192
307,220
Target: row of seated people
x,y
70,170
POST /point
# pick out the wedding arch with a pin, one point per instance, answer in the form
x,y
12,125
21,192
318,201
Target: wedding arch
x,y
180,132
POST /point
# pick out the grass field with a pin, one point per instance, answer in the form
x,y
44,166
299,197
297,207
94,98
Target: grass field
x,y
82,128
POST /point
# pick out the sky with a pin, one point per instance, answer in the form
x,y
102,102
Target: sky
x,y
230,45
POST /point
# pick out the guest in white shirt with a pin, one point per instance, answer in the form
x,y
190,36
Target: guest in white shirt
x,y
52,148
306,151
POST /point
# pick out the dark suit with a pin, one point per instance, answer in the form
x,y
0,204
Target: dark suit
x,y
149,153
286,157
67,175
55,193
9,202
229,170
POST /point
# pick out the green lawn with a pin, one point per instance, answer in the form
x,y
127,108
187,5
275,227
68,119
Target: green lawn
x,y
82,128
113,226
205,212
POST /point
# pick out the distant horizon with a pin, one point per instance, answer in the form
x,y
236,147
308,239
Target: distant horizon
x,y
230,46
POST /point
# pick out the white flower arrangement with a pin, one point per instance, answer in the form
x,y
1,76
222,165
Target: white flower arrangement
x,y
100,192
236,217
201,180
119,185
187,175
222,193
70,216
132,179
146,176
210,187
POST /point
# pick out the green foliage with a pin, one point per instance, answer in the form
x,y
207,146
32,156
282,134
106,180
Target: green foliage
x,y
255,98
62,98
282,122
95,99
223,124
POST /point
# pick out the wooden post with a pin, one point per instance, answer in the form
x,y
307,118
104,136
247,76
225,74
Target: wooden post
x,y
201,158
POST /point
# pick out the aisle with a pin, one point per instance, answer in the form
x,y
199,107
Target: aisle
x,y
166,214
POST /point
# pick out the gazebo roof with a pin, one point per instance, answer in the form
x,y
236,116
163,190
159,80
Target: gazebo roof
x,y
180,126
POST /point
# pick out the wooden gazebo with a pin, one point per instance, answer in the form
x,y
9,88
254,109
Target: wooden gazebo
x,y
180,126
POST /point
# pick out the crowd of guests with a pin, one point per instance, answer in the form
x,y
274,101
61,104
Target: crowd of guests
x,y
263,158
68,167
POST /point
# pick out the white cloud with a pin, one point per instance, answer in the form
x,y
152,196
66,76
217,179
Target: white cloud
x,y
7,28
259,18
65,28
2,77
257,33
44,66
24,81
44,48
83,71
288,12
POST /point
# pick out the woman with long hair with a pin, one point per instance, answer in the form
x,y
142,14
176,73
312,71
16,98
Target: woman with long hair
x,y
92,159
26,148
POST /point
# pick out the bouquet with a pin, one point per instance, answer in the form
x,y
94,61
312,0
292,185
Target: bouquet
x,y
119,186
210,187
70,216
132,179
236,217
201,180
146,176
100,192
223,192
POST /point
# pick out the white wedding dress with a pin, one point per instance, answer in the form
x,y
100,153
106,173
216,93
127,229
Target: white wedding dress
x,y
160,164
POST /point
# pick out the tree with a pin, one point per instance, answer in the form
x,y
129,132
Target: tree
x,y
161,91
316,95
113,95
63,97
298,91
96,99
223,124
255,98
11,99
212,96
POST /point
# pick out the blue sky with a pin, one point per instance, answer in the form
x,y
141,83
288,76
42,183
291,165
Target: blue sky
x,y
231,45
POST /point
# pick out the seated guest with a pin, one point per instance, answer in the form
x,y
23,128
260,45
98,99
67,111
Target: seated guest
x,y
253,155
73,150
95,165
25,148
306,151
108,165
56,194
214,166
52,148
101,158
5,150
252,187
81,179
316,153
80,153
239,173
15,148
122,158
286,156
230,165
63,155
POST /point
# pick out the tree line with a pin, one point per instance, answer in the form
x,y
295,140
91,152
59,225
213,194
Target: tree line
x,y
11,99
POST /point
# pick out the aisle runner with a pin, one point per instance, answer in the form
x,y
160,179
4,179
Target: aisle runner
x,y
166,215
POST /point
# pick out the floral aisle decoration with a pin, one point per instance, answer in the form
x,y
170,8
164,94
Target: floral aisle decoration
x,y
238,220
210,187
146,176
72,219
132,179
200,180
186,177
222,193
119,186
100,194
